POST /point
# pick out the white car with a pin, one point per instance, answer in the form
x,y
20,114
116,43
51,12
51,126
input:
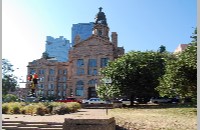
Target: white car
x,y
125,101
96,101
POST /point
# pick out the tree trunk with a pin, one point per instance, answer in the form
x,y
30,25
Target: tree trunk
x,y
132,99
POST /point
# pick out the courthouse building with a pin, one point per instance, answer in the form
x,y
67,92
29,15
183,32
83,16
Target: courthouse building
x,y
80,75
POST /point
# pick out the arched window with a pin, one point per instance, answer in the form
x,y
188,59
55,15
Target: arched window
x,y
79,88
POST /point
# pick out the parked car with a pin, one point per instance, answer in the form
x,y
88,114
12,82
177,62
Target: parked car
x,y
160,100
95,101
142,100
69,99
84,101
125,101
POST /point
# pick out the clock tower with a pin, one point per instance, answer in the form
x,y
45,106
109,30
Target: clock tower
x,y
101,28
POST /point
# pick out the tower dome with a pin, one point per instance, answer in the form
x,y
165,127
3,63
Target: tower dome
x,y
101,17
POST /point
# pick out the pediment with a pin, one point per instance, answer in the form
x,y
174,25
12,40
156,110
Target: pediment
x,y
93,41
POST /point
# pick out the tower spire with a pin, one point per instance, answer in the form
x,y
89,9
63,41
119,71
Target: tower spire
x,y
101,17
100,8
101,27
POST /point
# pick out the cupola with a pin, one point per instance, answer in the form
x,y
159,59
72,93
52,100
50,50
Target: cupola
x,y
101,28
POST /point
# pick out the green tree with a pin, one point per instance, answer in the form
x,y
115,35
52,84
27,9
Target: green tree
x,y
180,78
9,81
162,49
136,73
194,38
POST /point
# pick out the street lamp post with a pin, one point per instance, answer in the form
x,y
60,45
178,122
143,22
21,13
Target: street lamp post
x,y
107,82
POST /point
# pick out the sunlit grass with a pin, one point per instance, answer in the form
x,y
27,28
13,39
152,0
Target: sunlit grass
x,y
175,118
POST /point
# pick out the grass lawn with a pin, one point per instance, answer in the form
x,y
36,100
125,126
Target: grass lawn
x,y
156,117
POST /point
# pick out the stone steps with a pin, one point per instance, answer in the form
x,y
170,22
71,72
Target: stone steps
x,y
21,125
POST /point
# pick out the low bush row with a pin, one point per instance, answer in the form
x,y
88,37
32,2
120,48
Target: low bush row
x,y
40,108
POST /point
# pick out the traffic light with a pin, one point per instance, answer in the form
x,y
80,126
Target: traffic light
x,y
35,78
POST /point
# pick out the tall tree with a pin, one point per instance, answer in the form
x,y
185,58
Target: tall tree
x,y
136,73
180,78
9,81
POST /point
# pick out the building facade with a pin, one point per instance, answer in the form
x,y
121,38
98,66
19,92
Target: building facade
x,y
180,48
52,75
86,58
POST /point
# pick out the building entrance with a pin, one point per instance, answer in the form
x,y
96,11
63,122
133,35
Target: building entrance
x,y
91,92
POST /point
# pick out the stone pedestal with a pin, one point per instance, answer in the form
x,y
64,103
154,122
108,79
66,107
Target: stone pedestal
x,y
89,124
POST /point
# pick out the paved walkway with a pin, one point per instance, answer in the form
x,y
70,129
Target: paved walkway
x,y
82,113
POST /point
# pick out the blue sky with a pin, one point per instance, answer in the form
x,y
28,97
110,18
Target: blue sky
x,y
141,24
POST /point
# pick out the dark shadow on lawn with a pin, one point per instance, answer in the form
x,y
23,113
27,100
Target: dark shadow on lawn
x,y
120,128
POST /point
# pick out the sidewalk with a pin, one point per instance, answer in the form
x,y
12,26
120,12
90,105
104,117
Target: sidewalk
x,y
82,113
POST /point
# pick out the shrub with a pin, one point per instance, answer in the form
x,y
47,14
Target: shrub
x,y
30,109
16,110
52,106
73,106
41,109
5,108
60,110
17,107
23,110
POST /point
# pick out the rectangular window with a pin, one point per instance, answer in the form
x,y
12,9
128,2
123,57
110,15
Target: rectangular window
x,y
95,72
92,71
64,86
41,79
49,92
92,63
49,86
51,71
79,91
64,79
41,71
59,94
59,86
41,86
32,71
104,62
59,71
51,78
59,79
41,93
80,71
52,87
89,71
65,72
80,63
64,93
